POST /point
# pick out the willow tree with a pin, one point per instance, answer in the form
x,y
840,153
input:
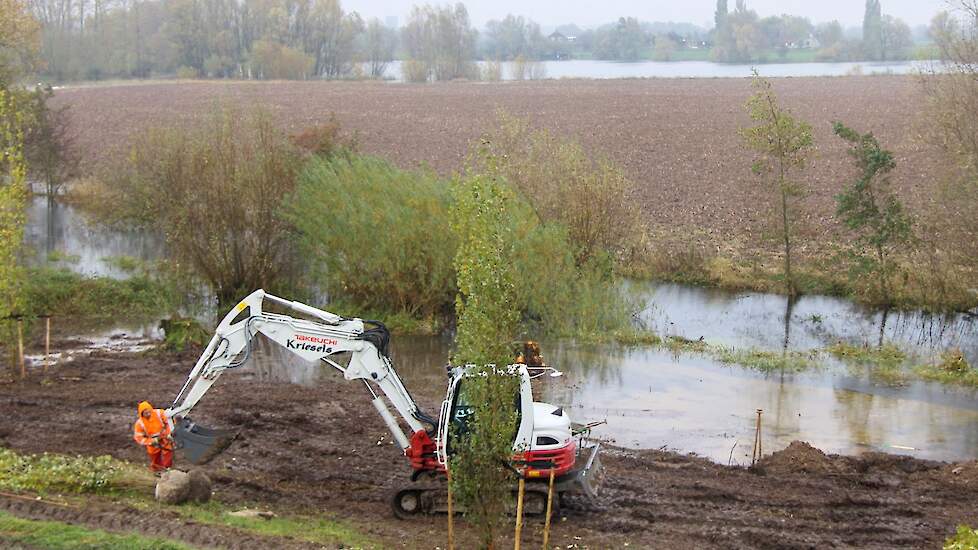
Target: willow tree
x,y
783,146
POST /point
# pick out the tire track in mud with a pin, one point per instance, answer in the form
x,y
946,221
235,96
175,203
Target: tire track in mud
x,y
152,524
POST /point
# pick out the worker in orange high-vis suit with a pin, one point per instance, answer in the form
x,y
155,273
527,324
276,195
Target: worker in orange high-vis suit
x,y
152,431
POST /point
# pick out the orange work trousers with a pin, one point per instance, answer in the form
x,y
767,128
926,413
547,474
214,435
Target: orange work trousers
x,y
160,459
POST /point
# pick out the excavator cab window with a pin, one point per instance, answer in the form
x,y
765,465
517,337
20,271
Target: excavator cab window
x,y
462,414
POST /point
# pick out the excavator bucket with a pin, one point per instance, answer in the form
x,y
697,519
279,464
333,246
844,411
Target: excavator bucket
x,y
587,476
200,444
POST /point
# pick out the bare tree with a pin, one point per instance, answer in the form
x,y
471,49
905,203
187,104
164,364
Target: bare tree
x,y
379,47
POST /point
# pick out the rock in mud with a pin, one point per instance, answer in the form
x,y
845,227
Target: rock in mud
x,y
173,487
252,514
200,487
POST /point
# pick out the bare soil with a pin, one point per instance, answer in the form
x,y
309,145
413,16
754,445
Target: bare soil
x,y
676,138
323,449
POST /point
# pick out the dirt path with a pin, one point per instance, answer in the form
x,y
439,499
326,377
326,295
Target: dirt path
x,y
310,449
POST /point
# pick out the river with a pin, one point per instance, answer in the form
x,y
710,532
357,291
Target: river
x,y
650,397
698,69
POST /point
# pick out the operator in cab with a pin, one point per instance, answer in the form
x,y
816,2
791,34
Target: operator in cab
x,y
152,431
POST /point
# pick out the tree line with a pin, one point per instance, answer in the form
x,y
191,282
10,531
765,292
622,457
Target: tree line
x,y
305,39
742,35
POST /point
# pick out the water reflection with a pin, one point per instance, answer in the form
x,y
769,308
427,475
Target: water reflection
x,y
57,227
770,321
693,404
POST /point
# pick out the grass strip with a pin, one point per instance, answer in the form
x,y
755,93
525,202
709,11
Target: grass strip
x,y
55,535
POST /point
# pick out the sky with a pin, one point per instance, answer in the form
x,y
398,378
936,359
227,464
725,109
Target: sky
x,y
550,13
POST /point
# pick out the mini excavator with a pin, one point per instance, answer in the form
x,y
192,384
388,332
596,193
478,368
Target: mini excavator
x,y
545,439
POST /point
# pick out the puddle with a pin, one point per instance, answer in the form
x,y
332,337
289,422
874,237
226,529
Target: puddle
x,y
125,337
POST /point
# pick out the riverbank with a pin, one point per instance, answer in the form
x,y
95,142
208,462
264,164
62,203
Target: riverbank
x,y
316,448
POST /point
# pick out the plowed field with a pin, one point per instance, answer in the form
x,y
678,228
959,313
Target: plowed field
x,y
677,139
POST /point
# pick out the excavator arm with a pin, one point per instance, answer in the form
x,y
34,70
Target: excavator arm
x,y
313,340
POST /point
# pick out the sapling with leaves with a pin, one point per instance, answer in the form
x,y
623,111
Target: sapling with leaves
x,y
872,212
783,145
13,203
487,323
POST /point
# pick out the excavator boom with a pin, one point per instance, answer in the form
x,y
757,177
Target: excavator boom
x,y
328,335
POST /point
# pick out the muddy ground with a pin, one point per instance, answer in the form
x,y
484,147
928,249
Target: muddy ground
x,y
676,138
324,449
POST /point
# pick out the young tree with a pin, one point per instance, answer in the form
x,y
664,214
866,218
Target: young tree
x,y
487,323
13,199
870,210
783,145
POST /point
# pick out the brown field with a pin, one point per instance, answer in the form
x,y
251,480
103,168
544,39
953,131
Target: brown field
x,y
677,139
314,450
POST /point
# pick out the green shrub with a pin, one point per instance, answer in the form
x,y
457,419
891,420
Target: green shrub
x,y
388,247
379,236
965,539
179,334
68,294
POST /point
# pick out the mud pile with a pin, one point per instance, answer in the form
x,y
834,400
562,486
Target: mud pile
x,y
802,458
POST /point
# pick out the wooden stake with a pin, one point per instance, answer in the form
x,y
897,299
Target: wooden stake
x,y
20,348
47,343
757,452
519,512
451,516
550,504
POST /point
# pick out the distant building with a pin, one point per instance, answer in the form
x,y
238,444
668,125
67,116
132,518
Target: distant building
x,y
558,37
391,21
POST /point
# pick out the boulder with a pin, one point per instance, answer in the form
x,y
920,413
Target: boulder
x,y
200,487
173,487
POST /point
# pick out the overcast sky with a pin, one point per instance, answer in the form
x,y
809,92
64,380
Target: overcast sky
x,y
587,13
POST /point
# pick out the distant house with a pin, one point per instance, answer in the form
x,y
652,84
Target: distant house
x,y
811,43
558,37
